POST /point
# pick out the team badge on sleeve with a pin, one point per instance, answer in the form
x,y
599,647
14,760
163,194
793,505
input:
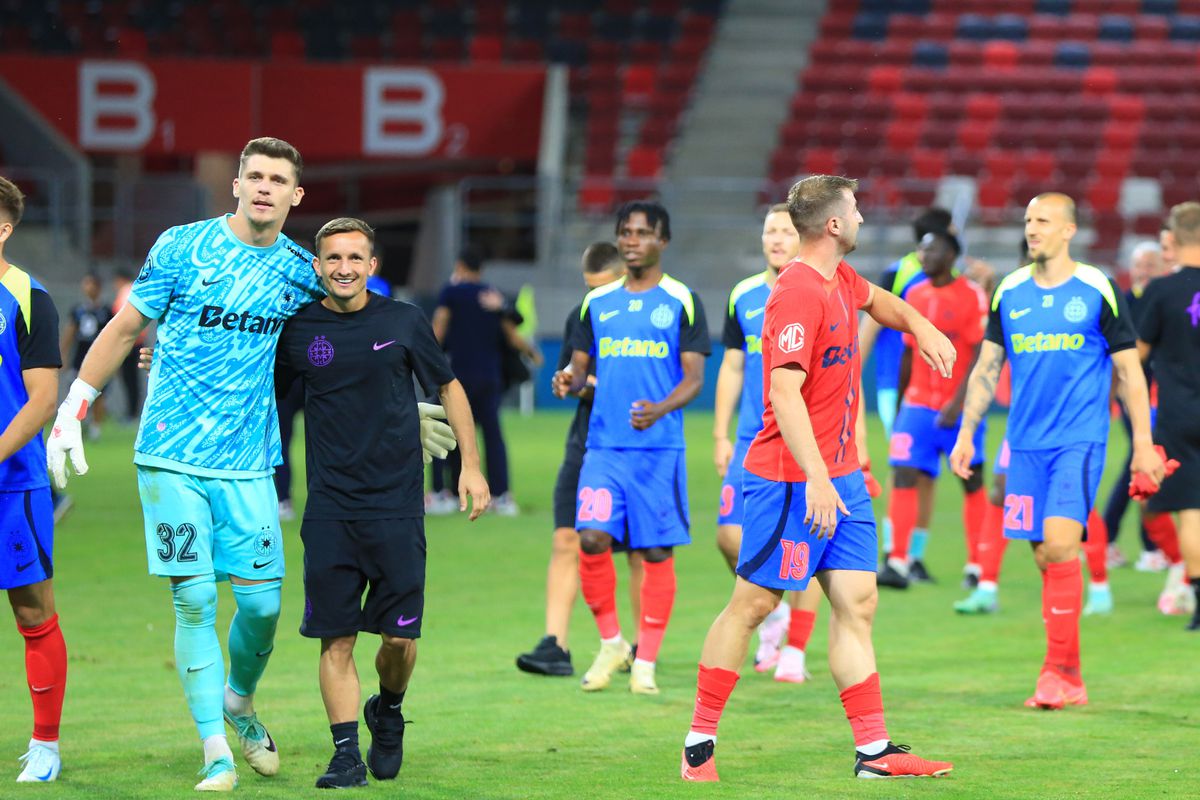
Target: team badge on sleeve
x,y
791,338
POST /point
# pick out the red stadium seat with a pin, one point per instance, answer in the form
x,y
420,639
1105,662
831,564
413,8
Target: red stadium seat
x,y
637,83
994,195
1038,165
928,164
1121,135
1103,195
596,195
975,135
1099,80
909,106
487,48
965,54
1151,28
643,162
885,79
998,54
1000,164
902,134
983,107
1113,165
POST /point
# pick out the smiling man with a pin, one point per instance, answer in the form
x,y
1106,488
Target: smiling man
x,y
357,353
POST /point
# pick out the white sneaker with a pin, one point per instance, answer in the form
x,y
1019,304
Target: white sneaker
x,y
791,666
286,512
1176,597
439,504
219,776
42,764
641,678
1114,558
504,505
1151,561
770,634
257,745
612,656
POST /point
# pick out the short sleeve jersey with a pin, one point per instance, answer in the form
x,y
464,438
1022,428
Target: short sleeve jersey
x,y
743,331
899,278
220,306
812,323
578,433
474,337
1169,321
636,339
1059,341
28,340
361,431
960,311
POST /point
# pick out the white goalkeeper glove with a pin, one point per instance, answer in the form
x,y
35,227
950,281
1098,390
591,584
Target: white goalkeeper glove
x,y
66,438
437,439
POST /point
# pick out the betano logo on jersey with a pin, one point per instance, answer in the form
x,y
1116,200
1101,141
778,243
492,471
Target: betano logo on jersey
x,y
215,317
1046,342
753,344
635,348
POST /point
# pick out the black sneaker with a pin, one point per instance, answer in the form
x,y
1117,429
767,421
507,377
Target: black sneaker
x,y
891,577
546,659
918,574
346,770
628,663
386,753
970,579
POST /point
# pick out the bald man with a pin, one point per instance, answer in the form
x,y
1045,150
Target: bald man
x,y
1065,327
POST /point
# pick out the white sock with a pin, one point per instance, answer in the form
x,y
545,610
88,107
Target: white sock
x,y
782,611
1098,585
644,662
615,640
693,738
237,705
215,747
988,586
48,745
872,748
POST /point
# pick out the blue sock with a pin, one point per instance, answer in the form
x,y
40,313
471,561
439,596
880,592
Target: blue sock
x,y
887,535
252,634
916,548
198,653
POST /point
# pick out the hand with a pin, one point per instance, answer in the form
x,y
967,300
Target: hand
x,y
535,355
948,415
722,455
560,384
962,456
66,437
145,358
437,438
936,349
873,487
823,503
1149,467
472,485
643,414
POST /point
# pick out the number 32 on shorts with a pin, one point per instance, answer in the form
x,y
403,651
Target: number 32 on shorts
x,y
170,549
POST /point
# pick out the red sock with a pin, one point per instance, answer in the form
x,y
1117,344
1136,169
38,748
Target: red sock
x,y
800,628
864,708
46,671
658,595
902,510
713,687
992,543
598,580
974,508
1161,530
1061,595
1095,548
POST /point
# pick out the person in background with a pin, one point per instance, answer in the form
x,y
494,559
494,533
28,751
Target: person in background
x,y
131,382
87,318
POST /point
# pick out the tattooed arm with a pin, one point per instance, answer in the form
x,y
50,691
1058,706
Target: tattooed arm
x,y
981,388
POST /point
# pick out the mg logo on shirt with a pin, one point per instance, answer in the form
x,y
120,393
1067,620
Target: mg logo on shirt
x,y
791,338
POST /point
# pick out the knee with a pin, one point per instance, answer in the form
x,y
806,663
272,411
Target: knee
x,y
340,649
859,611
753,610
905,478
396,647
594,542
195,601
565,543
259,601
30,616
657,555
1056,553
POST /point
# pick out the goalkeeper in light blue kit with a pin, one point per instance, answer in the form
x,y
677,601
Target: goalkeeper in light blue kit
x,y
220,290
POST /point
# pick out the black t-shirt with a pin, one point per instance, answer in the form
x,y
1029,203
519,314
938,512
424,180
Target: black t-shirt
x,y
1169,321
577,435
361,429
474,338
88,319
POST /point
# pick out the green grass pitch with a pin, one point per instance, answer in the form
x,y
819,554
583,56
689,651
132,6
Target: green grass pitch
x,y
953,686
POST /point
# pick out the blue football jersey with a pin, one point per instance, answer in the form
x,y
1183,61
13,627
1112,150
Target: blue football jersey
x,y
1060,342
636,339
220,305
28,340
743,331
904,273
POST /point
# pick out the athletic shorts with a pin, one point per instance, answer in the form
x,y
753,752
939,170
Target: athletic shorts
x,y
1181,491
637,496
386,557
778,552
1060,482
1002,458
566,486
201,526
27,530
885,405
730,512
919,442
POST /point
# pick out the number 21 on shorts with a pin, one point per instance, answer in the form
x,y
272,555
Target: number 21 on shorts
x,y
1018,512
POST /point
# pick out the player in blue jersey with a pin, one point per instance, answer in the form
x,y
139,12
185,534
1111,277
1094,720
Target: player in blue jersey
x,y
1065,329
29,364
220,290
740,383
648,337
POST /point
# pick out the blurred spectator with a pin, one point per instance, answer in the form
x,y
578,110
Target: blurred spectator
x,y
130,380
83,325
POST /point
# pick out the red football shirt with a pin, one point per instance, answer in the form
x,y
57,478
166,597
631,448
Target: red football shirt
x,y
960,310
812,323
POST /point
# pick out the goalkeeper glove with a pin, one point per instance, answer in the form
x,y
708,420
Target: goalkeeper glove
x,y
437,439
66,437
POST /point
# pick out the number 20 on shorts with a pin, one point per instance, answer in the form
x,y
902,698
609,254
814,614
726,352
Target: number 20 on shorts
x,y
595,505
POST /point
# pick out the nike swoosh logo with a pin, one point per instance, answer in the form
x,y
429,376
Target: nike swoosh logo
x,y
378,346
654,621
263,564
1059,611
1018,314
834,326
23,567
607,315
45,777
209,283
40,689
755,312
197,669
402,622
879,764
340,741
266,652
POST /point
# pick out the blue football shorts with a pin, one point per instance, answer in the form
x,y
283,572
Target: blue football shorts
x,y
27,532
730,510
1060,482
637,496
918,441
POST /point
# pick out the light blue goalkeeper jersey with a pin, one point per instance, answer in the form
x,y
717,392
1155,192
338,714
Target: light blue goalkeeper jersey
x,y
220,306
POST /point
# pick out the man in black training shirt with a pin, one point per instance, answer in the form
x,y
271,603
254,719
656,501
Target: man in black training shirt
x,y
1169,335
357,353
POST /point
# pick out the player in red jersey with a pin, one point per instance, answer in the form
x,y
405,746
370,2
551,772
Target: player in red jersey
x,y
928,421
806,506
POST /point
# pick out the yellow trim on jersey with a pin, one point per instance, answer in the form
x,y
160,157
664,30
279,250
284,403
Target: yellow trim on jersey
x,y
17,281
1011,281
743,286
682,293
1096,279
599,291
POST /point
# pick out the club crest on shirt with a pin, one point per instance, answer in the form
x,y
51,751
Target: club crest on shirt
x,y
147,269
287,299
17,546
1075,310
662,317
320,352
3,323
